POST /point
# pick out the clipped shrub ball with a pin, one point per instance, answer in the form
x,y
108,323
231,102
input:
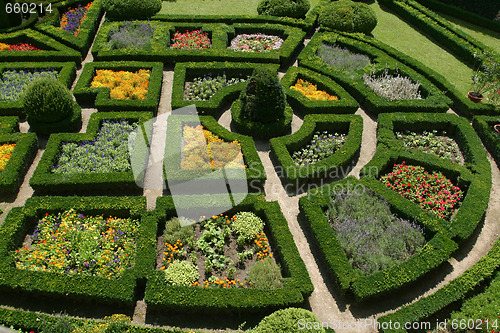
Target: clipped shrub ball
x,y
265,274
288,321
290,8
47,101
346,15
181,273
131,9
246,225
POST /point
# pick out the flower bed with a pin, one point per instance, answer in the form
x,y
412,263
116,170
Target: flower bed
x,y
393,87
312,92
18,47
193,40
342,59
123,84
434,192
202,88
5,154
72,19
322,145
131,35
72,243
256,43
14,82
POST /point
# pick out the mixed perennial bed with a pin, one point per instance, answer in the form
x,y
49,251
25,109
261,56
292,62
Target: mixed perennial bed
x,y
18,47
132,35
256,43
342,59
202,88
312,92
196,39
322,145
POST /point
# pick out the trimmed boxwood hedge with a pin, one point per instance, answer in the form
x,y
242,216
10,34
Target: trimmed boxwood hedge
x,y
55,286
433,99
437,250
221,35
100,96
9,125
186,71
71,124
67,74
88,28
344,104
254,173
296,283
283,147
44,181
455,291
484,128
51,50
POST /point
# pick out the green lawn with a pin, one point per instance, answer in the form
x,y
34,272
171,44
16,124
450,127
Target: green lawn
x,y
214,7
403,37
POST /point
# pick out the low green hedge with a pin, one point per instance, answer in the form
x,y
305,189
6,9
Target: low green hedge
x,y
221,35
283,147
55,286
436,251
484,128
185,72
100,96
254,174
296,283
67,74
51,50
44,181
447,296
433,99
88,27
344,104
9,125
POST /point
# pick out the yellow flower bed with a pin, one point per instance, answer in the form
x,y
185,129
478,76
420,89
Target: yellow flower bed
x,y
311,91
5,154
123,84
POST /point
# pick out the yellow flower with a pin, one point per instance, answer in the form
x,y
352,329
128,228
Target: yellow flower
x,y
123,84
311,91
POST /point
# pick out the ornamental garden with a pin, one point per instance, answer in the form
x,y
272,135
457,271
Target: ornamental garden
x,y
273,165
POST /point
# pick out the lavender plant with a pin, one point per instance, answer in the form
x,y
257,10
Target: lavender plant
x,y
371,236
131,35
202,88
342,59
13,83
108,152
322,145
393,87
437,144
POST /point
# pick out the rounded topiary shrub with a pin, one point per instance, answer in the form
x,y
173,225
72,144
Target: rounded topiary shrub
x,y
131,9
246,225
181,273
346,15
290,8
291,320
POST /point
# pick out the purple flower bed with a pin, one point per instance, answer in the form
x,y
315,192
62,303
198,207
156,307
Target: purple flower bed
x,y
13,82
72,19
131,35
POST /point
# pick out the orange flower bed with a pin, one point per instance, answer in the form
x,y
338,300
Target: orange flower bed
x,y
123,84
311,91
5,154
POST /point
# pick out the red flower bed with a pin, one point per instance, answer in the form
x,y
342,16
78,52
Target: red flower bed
x,y
191,40
18,47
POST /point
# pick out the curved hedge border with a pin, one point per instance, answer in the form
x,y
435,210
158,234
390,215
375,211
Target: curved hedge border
x,y
255,173
436,251
296,283
21,221
55,50
283,147
100,96
434,101
186,71
88,28
483,126
44,181
344,104
221,35
453,292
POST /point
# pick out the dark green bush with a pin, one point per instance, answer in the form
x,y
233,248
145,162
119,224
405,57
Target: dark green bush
x,y
47,101
265,274
289,321
131,9
290,8
346,15
264,97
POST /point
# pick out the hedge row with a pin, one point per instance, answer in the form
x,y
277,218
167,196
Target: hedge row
x,y
433,99
9,125
453,292
436,251
28,23
220,34
44,181
88,27
484,128
301,103
21,221
198,181
296,285
100,97
51,50
283,147
186,72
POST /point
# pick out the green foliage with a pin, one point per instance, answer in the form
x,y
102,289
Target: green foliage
x,y
289,8
131,9
247,225
178,229
288,321
181,273
346,15
265,274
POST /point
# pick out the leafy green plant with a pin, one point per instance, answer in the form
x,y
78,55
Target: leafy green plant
x,y
247,225
211,242
265,274
181,273
178,229
322,145
437,144
244,255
